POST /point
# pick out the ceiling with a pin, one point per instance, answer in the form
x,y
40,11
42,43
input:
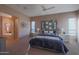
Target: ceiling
x,y
37,9
4,14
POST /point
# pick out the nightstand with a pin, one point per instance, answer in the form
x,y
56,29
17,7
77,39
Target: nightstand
x,y
65,37
33,34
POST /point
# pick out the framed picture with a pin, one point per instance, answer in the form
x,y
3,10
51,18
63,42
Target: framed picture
x,y
46,22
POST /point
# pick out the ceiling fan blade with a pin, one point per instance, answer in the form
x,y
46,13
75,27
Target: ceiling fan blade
x,y
51,8
44,9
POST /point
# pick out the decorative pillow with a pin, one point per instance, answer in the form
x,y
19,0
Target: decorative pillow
x,y
45,32
51,32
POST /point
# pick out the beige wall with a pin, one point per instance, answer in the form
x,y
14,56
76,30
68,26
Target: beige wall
x,y
62,20
22,18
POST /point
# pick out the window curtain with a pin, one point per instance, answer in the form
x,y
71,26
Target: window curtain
x,y
78,27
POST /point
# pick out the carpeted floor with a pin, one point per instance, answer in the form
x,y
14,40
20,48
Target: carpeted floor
x,y
21,48
73,50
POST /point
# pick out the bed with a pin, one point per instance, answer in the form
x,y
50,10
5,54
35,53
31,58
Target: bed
x,y
52,42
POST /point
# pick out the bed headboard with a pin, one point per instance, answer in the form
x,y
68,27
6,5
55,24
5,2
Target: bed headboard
x,y
49,26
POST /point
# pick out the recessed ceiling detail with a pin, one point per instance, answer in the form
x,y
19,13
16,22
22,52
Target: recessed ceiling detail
x,y
44,9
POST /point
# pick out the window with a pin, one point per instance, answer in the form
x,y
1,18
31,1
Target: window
x,y
72,26
33,26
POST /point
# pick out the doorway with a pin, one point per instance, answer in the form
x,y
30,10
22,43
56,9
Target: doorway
x,y
9,30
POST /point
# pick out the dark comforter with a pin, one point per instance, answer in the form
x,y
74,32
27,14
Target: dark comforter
x,y
57,45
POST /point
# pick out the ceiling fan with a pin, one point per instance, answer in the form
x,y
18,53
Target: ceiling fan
x,y
44,8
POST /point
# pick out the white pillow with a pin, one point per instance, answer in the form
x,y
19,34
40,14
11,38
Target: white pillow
x,y
51,32
46,32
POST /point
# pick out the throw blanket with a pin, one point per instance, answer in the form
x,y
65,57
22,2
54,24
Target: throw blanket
x,y
50,42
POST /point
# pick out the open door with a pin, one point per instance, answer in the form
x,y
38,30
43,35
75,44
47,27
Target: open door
x,y
10,30
8,27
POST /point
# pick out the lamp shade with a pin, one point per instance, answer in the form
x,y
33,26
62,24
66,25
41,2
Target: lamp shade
x,y
38,29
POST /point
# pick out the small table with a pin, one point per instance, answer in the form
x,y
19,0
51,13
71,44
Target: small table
x,y
65,37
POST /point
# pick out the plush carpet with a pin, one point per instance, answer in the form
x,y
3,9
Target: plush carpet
x,y
21,48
